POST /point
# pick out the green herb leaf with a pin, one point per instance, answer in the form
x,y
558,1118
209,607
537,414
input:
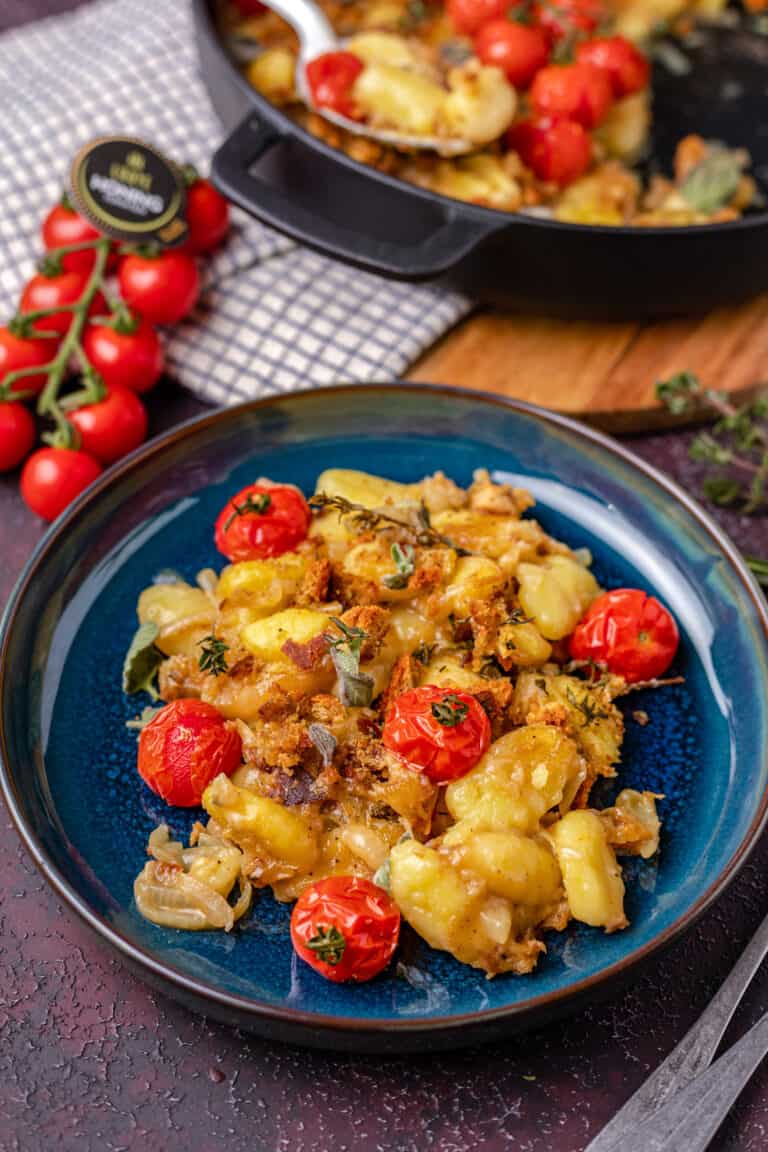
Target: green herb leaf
x,y
383,875
517,616
680,393
324,740
328,944
213,656
721,490
705,448
142,661
356,686
424,652
713,182
405,562
450,711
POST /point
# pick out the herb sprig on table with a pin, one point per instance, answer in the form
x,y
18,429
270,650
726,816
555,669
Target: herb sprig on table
x,y
735,448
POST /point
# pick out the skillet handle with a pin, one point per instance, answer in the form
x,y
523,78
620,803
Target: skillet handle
x,y
339,211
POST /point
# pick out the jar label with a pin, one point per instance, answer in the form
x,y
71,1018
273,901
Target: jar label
x,y
130,191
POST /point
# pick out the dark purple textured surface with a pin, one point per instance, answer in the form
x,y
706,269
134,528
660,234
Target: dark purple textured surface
x,y
90,1059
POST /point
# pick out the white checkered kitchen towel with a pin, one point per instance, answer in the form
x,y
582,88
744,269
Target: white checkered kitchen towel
x,y
274,316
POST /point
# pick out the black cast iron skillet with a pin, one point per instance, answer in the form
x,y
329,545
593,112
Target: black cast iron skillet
x,y
317,195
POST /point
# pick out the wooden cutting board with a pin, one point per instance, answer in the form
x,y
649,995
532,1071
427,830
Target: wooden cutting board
x,y
603,373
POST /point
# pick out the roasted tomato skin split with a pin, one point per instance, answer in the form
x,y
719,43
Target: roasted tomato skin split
x,y
628,631
262,521
438,731
184,748
346,928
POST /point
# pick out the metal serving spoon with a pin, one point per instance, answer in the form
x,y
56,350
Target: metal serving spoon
x,y
316,37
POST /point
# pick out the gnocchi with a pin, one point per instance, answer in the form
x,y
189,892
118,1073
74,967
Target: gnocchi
x,y
415,620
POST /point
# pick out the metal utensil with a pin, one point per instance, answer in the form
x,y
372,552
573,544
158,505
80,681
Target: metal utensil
x,y
316,37
695,1095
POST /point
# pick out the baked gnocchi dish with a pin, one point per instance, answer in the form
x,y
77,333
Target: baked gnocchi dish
x,y
553,96
392,704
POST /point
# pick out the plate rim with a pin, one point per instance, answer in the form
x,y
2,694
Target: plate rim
x,y
189,986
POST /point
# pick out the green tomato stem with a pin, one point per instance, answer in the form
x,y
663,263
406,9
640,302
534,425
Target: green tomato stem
x,y
47,404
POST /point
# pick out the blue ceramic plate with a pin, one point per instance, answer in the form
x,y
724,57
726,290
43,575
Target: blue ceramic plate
x,y
69,762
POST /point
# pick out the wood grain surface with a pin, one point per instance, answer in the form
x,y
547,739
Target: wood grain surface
x,y
606,372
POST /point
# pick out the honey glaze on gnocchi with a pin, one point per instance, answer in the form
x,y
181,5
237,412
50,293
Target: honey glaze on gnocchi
x,y
409,714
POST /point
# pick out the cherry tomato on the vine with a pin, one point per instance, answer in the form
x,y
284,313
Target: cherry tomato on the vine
x,y
112,427
64,226
630,632
346,928
54,292
126,355
17,434
164,288
262,520
558,151
441,732
627,68
18,352
207,216
562,18
53,477
469,16
518,49
184,748
572,92
331,78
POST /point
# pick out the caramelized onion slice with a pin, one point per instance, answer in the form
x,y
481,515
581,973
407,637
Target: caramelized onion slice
x,y
168,896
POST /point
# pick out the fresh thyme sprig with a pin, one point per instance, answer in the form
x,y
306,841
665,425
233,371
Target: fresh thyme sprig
x,y
363,519
736,447
213,655
588,707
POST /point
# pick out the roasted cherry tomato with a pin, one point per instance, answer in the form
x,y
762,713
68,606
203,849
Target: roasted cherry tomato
x,y
440,732
518,49
53,292
630,632
622,62
184,748
64,226
558,151
53,477
112,427
126,353
262,520
19,352
561,18
346,928
331,78
207,216
572,92
469,16
164,288
17,434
